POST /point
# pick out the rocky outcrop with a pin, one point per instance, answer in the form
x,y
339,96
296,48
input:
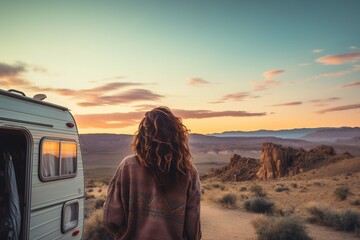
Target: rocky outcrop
x,y
279,161
239,169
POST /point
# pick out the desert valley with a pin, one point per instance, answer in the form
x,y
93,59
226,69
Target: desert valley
x,y
254,184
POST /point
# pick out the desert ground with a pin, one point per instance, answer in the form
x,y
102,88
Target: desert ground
x,y
290,195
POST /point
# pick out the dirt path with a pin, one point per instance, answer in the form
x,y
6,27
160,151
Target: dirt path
x,y
218,223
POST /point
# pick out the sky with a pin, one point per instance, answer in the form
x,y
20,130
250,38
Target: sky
x,y
219,65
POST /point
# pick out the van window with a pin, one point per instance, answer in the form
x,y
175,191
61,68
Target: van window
x,y
58,159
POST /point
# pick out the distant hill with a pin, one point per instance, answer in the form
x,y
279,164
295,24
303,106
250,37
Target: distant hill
x,y
333,135
325,135
285,133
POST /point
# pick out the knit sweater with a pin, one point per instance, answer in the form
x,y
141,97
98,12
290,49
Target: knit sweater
x,y
136,208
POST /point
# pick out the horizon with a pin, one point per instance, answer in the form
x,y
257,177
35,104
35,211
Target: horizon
x,y
220,66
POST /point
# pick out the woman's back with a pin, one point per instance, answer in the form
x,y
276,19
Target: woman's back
x,y
152,213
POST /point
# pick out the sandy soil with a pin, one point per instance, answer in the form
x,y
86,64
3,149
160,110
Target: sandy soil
x,y
218,223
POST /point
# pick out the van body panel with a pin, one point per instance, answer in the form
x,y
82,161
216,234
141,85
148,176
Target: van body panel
x,y
44,199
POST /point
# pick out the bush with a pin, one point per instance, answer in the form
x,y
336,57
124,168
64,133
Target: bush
x,y
281,189
99,203
341,193
280,228
243,189
259,205
93,229
347,220
217,185
257,190
228,200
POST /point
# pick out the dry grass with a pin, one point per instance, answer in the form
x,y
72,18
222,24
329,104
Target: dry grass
x,y
94,229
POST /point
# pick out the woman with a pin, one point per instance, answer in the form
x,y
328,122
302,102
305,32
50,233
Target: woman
x,y
155,194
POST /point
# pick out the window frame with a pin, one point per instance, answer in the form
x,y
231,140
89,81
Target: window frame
x,y
41,160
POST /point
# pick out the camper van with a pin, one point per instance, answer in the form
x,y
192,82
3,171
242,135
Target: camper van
x,y
41,170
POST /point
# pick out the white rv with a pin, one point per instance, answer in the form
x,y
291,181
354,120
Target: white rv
x,y
41,170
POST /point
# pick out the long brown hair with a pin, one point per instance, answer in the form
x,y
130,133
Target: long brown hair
x,y
161,145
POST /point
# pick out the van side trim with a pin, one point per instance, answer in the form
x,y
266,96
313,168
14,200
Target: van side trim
x,y
54,204
27,122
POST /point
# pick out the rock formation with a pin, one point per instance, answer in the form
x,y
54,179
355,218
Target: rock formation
x,y
239,169
279,161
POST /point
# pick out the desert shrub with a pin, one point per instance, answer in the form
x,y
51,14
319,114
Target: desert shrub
x,y
355,202
99,203
257,190
294,185
99,190
281,189
217,185
228,200
93,229
91,190
259,205
280,228
243,189
341,192
347,220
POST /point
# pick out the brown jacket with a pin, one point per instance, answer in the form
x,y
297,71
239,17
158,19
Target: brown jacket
x,y
137,209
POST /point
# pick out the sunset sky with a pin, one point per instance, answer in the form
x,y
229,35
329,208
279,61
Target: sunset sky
x,y
220,65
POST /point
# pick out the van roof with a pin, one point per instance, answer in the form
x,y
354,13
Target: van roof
x,y
29,99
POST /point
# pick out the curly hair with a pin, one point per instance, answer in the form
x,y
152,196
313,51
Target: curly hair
x,y
161,145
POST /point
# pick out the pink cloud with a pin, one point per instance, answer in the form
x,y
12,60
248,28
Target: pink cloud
x,y
340,108
339,58
273,73
264,85
349,85
197,82
130,96
239,96
122,120
324,102
287,104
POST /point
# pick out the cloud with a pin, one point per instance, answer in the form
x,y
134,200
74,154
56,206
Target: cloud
x,y
239,96
130,96
272,73
317,50
7,70
10,77
353,69
340,108
287,104
349,85
264,85
354,47
324,102
198,114
197,82
339,58
122,120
